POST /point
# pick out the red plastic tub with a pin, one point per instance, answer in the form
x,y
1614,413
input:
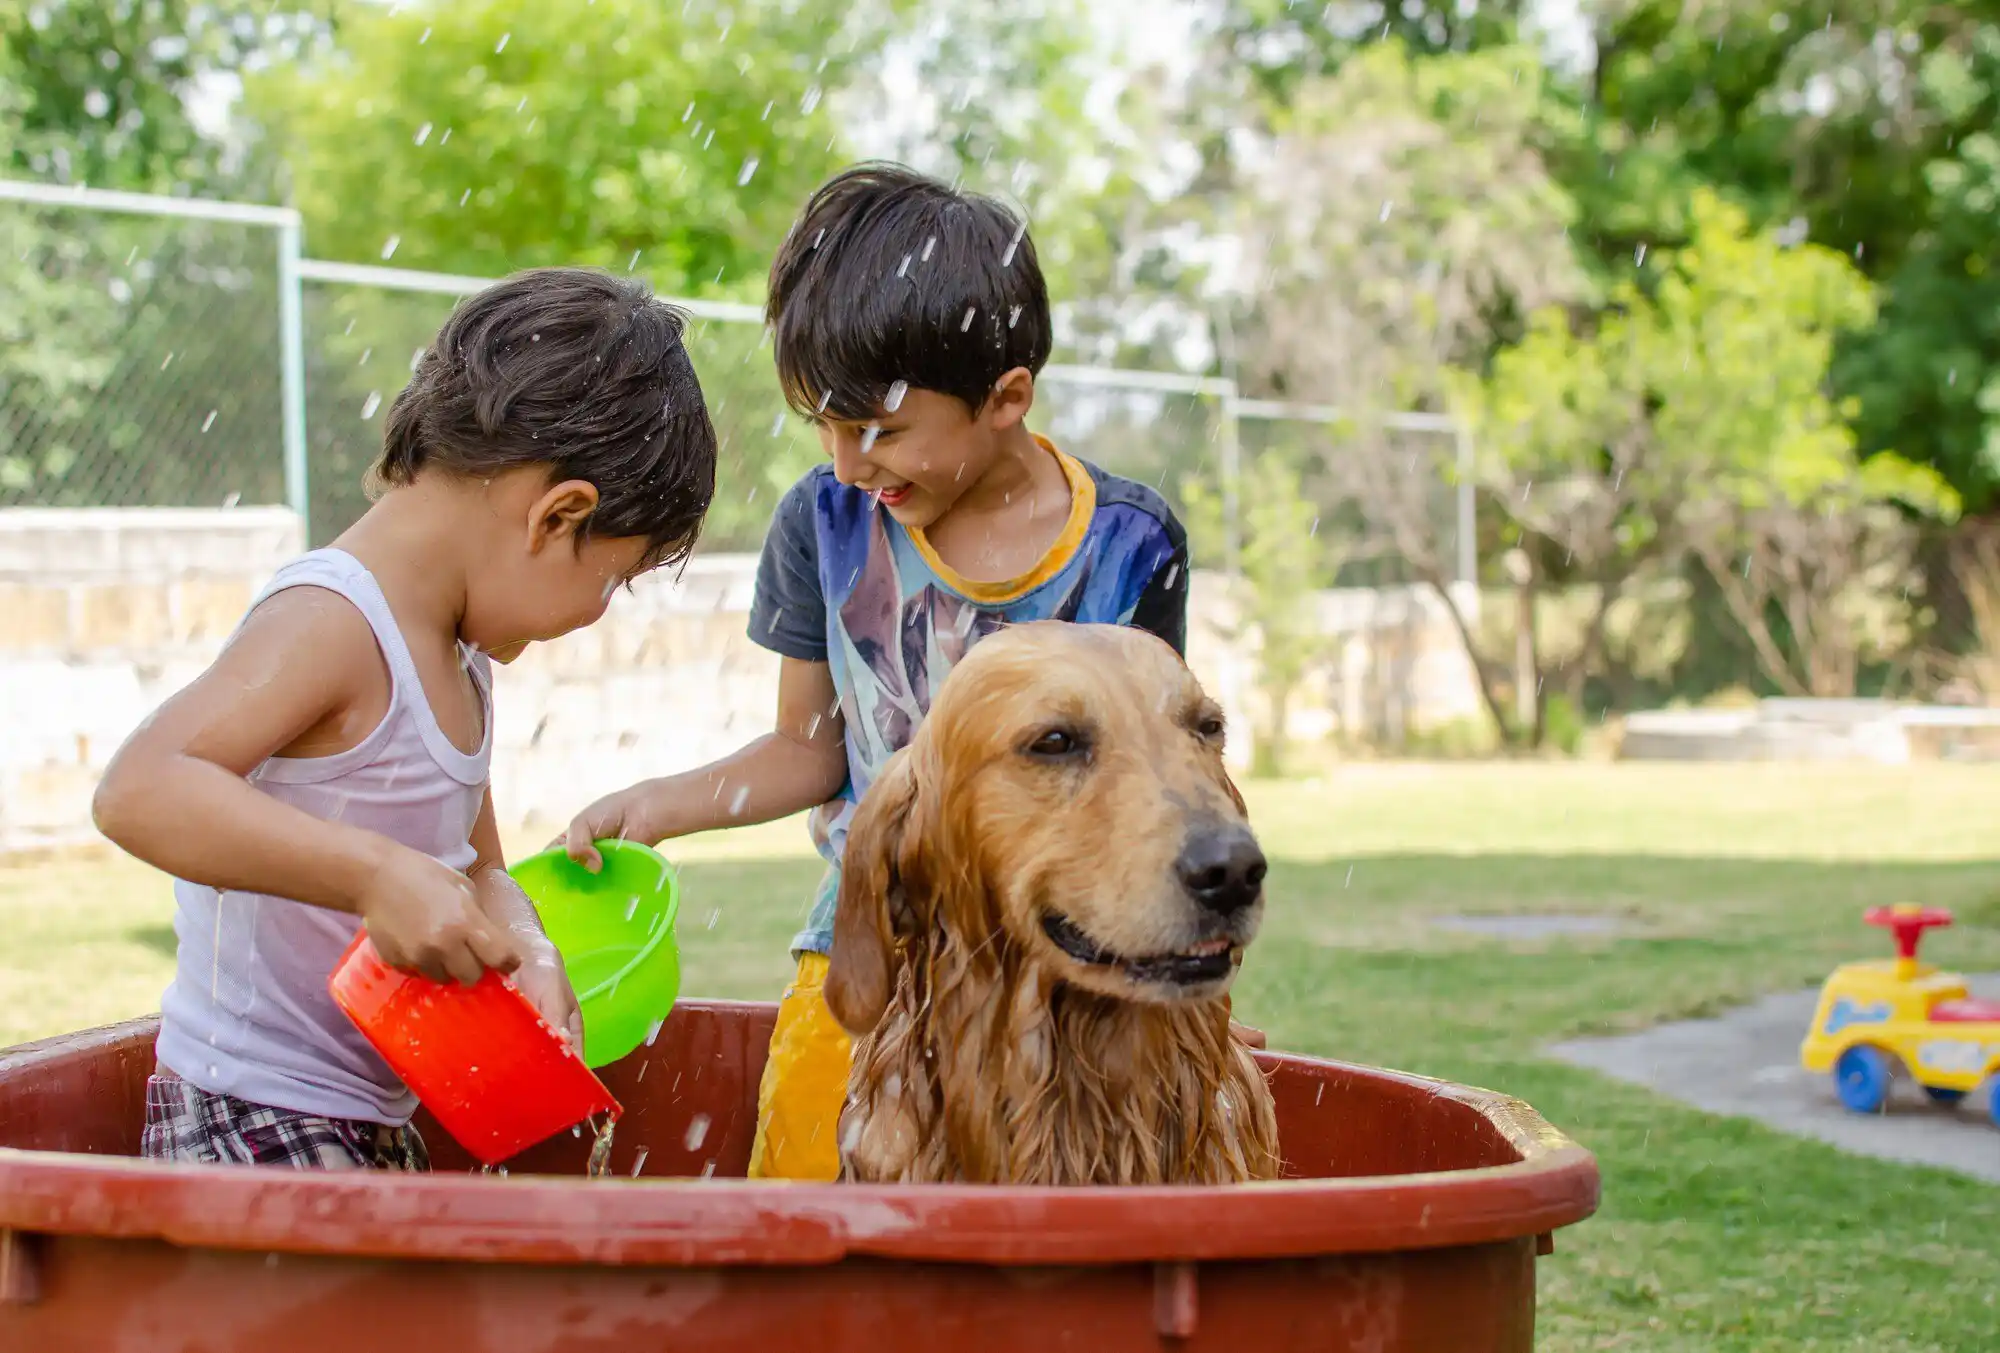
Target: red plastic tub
x,y
1409,1222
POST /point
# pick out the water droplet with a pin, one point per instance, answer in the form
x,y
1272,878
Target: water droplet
x,y
1020,233
777,426
464,197
1013,316
389,247
824,400
929,245
209,421
501,45
894,399
868,436
850,1133
639,1162
370,404
966,323
747,172
1639,256
738,799
423,133
654,1031
1387,207
713,917
811,99
697,1132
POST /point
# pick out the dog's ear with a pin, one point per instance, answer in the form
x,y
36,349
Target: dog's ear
x,y
882,844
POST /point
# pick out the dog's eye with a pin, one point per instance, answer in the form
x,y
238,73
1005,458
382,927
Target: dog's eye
x,y
1210,726
1056,742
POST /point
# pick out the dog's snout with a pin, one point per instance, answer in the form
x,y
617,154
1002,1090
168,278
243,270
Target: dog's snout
x,y
1222,868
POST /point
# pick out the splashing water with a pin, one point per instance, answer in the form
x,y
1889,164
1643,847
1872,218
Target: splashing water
x,y
697,1132
631,905
389,247
811,99
868,436
501,45
747,172
639,1162
894,399
713,917
738,799
423,133
599,1166
824,400
966,323
653,1033
369,405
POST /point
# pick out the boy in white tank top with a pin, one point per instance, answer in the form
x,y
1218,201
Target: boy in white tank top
x,y
329,771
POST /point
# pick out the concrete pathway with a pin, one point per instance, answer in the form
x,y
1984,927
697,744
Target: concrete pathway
x,y
1746,1064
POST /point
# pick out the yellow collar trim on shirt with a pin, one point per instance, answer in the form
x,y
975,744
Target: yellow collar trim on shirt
x,y
1082,505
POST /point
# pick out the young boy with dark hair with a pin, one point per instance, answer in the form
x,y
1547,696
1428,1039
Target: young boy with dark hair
x,y
911,321
329,770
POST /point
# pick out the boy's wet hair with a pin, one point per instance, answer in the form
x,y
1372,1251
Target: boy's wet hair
x,y
581,372
892,276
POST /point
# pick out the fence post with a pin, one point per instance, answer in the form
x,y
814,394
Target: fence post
x,y
292,359
1232,478
1468,521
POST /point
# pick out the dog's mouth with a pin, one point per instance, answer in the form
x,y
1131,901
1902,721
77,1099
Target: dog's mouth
x,y
1209,961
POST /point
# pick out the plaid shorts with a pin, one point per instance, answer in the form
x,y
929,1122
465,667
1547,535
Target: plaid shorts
x,y
188,1124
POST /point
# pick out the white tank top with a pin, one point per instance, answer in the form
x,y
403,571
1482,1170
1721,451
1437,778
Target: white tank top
x,y
248,1012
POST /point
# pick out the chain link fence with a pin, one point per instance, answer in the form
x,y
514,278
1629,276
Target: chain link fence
x,y
138,360
143,362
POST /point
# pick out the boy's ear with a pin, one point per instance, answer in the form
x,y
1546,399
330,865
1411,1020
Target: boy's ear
x,y
560,512
1013,395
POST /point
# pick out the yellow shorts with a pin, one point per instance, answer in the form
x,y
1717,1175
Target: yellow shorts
x,y
804,1084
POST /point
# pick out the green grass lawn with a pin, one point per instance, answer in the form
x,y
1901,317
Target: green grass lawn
x,y
1715,1234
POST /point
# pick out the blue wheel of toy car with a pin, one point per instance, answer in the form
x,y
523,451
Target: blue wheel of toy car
x,y
1942,1096
1993,1100
1862,1078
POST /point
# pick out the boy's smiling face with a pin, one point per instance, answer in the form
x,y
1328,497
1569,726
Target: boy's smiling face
x,y
922,455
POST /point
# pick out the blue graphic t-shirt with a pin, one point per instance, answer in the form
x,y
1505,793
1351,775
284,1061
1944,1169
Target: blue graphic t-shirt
x,y
840,582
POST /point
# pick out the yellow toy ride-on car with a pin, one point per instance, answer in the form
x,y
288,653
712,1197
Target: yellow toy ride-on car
x,y
1877,1015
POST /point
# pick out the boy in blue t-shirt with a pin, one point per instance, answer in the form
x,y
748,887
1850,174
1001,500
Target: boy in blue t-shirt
x,y
910,322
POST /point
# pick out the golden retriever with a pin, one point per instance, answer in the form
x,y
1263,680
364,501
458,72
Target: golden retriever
x,y
1046,898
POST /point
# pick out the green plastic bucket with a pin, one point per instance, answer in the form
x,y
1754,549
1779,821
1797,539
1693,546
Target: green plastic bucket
x,y
615,932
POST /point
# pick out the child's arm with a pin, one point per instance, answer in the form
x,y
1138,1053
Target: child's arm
x,y
299,677
800,764
541,976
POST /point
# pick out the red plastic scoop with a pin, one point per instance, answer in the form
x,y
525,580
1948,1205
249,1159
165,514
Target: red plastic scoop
x,y
480,1058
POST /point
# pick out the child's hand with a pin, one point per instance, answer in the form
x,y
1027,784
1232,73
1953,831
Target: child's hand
x,y
617,816
545,982
1247,1036
423,917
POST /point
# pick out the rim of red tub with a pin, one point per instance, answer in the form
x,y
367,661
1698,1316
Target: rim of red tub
x,y
708,1222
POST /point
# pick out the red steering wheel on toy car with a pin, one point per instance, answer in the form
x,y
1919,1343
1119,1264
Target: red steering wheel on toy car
x,y
1908,923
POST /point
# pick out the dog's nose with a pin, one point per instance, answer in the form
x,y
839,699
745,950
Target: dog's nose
x,y
1222,869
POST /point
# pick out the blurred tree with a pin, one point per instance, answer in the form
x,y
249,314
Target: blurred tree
x,y
482,136
95,307
1694,415
100,93
1864,125
1400,219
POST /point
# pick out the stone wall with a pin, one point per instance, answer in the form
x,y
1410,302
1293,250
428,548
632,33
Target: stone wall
x,y
105,613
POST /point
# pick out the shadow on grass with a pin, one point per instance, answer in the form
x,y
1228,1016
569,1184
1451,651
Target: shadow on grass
x,y
159,939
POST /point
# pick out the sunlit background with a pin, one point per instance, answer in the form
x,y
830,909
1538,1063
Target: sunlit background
x,y
1550,390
